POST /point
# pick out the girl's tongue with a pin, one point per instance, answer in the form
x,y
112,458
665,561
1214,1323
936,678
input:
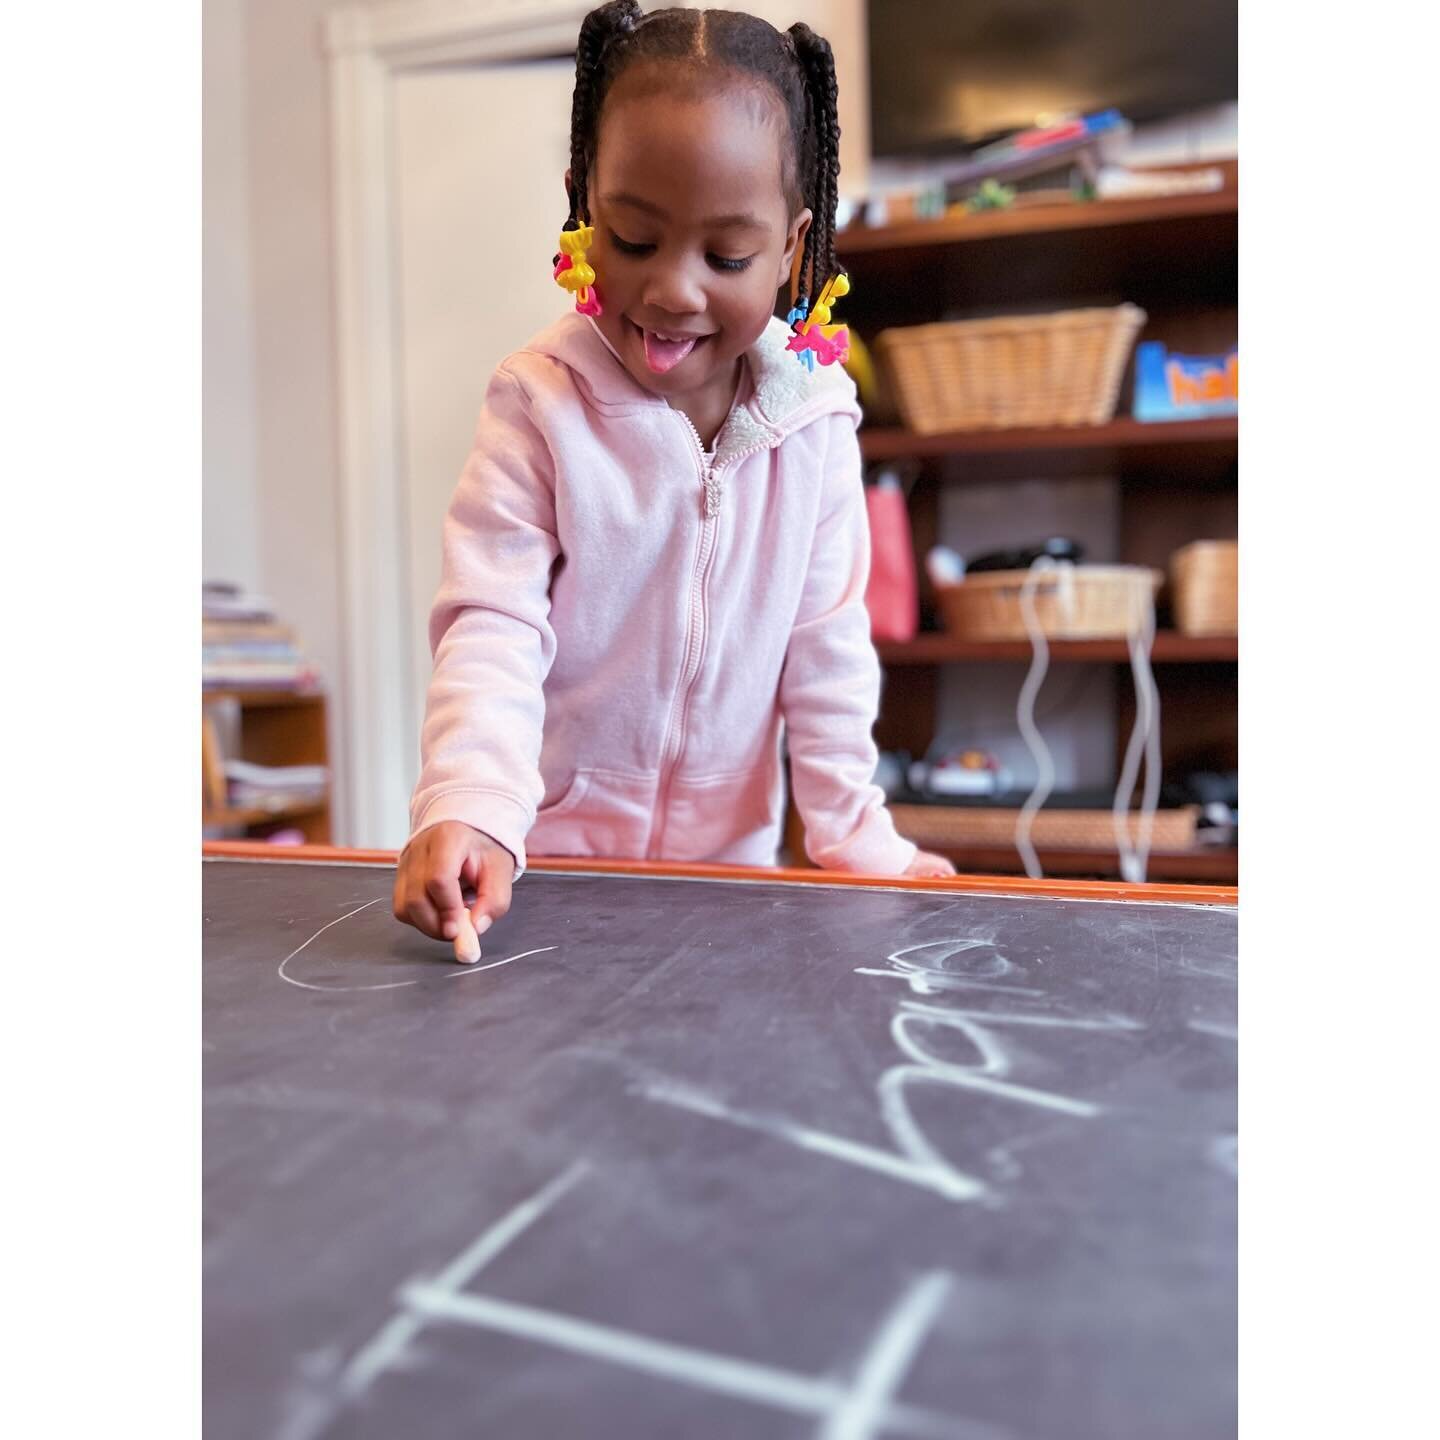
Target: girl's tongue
x,y
664,355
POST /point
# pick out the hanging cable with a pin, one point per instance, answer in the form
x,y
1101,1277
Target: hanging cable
x,y
1144,739
1025,718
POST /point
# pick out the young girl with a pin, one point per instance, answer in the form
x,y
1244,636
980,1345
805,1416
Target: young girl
x,y
655,559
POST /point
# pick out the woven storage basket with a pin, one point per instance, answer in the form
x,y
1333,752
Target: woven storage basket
x,y
1024,370
939,826
1205,587
1072,602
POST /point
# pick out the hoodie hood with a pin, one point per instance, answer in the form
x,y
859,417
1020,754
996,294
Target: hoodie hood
x,y
784,395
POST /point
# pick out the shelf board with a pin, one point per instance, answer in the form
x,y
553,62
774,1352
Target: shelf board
x,y
263,815
1170,648
1126,435
263,697
1201,866
963,228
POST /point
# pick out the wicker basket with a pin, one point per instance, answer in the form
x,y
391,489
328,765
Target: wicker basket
x,y
1026,370
1205,587
1072,602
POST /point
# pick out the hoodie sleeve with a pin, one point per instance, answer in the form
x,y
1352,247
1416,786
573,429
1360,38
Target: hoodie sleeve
x,y
830,686
490,632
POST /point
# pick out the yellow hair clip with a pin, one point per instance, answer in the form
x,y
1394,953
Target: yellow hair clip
x,y
815,338
574,273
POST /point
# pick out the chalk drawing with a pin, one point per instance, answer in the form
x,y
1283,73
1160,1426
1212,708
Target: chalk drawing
x,y
891,1353
451,974
915,1158
922,1165
322,1394
741,1379
859,1410
939,965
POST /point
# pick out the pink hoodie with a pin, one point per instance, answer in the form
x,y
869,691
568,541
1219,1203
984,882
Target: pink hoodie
x,y
626,627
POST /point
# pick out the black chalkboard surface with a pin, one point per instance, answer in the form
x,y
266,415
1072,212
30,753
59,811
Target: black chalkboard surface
x,y
712,1158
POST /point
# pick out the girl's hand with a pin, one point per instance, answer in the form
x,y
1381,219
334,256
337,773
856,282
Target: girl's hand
x,y
929,867
435,870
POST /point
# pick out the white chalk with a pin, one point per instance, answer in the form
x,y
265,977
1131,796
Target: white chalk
x,y
467,942
467,938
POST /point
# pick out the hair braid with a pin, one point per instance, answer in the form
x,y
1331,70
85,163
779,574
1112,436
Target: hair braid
x,y
821,183
599,28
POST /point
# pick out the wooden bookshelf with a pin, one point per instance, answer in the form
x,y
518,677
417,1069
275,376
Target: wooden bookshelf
x,y
1170,648
1176,258
274,727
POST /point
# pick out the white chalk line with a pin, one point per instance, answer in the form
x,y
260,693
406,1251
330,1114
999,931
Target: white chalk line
x,y
318,934
925,982
703,1369
903,1331
1225,1152
1212,1027
983,1077
387,1346
456,974
894,1080
929,1173
999,1017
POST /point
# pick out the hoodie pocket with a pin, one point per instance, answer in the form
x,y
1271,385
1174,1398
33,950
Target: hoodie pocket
x,y
604,813
725,819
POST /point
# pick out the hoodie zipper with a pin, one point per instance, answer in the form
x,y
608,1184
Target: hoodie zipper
x,y
695,628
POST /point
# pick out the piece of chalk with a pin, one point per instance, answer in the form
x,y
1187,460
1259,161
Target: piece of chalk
x,y
467,942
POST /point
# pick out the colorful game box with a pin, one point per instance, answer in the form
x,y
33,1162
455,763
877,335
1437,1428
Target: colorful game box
x,y
1171,386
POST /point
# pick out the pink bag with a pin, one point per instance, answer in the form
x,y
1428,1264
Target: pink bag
x,y
891,597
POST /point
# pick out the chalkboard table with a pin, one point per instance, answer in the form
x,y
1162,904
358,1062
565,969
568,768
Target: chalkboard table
x,y
705,1157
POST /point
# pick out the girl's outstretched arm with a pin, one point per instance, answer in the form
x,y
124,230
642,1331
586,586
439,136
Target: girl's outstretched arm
x,y
830,687
490,632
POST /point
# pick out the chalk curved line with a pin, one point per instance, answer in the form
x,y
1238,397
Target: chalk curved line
x,y
392,984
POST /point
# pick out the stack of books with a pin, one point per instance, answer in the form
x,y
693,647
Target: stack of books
x,y
245,647
275,787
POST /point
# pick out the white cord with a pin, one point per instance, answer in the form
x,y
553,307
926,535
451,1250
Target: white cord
x,y
1144,737
1025,718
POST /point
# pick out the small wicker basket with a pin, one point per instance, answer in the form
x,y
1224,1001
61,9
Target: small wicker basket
x,y
1205,587
1026,370
1072,602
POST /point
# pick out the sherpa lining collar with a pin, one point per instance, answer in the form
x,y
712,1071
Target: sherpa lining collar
x,y
784,395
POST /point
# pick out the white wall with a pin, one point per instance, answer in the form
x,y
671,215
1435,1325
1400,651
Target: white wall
x,y
230,540
270,468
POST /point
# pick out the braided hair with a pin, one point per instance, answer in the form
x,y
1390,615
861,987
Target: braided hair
x,y
715,46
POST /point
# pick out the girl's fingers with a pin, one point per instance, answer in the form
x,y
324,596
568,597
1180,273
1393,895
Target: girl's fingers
x,y
493,897
402,904
414,908
442,888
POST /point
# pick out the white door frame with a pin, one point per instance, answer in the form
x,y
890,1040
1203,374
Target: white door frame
x,y
367,47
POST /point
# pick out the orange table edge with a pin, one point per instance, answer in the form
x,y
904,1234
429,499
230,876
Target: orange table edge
x,y
962,884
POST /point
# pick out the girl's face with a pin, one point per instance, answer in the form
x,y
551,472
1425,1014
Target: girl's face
x,y
693,236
